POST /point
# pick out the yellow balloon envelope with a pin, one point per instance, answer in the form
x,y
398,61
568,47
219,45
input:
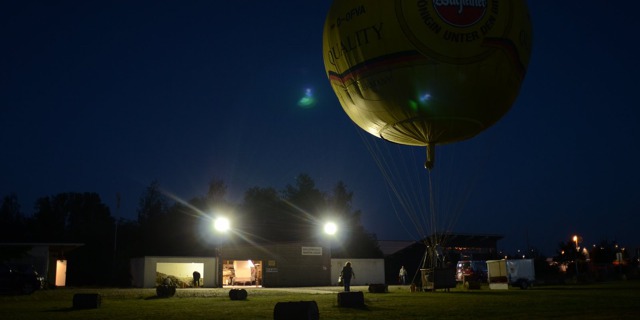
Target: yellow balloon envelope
x,y
423,72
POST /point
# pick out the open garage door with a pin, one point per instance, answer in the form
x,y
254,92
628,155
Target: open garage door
x,y
149,272
182,274
242,273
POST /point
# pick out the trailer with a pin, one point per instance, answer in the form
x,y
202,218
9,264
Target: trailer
x,y
504,273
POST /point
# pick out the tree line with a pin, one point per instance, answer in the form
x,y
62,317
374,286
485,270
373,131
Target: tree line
x,y
173,227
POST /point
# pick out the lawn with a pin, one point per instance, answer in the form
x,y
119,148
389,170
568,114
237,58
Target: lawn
x,y
612,300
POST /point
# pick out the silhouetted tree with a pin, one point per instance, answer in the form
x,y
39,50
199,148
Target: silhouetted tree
x,y
165,227
49,222
264,216
300,213
305,205
127,238
217,192
187,231
154,227
88,218
153,204
355,241
12,221
304,195
179,228
603,253
196,217
79,218
340,199
572,256
358,244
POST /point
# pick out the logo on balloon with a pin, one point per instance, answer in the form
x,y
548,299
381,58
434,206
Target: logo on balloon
x,y
455,31
460,13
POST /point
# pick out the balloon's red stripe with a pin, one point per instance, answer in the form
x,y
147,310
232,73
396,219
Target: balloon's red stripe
x,y
382,62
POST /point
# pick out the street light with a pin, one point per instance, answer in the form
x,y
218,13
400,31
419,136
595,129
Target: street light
x,y
222,225
577,239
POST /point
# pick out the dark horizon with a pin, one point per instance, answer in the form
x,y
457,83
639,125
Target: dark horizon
x,y
107,97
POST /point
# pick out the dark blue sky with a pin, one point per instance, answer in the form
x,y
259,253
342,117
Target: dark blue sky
x,y
107,96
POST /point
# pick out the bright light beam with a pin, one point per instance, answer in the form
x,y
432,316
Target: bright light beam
x,y
330,228
222,224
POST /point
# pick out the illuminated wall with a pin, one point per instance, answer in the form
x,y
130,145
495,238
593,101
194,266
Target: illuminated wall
x,y
367,271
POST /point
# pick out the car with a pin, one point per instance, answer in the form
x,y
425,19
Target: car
x,y
471,270
19,279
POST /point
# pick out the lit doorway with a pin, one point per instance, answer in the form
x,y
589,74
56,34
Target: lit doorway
x,y
242,273
61,273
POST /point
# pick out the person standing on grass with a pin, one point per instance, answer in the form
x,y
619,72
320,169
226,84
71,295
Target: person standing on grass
x,y
347,273
403,275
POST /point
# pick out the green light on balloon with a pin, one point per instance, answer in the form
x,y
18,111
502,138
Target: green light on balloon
x,y
307,101
413,105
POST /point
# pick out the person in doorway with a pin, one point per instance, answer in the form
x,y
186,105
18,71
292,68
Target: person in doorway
x,y
196,279
403,275
347,273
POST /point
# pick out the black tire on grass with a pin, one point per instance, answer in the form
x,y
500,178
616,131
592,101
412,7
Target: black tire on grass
x,y
165,291
298,310
238,294
378,288
86,301
351,299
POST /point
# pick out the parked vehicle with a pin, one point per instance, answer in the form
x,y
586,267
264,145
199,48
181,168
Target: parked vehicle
x,y
471,270
518,273
19,279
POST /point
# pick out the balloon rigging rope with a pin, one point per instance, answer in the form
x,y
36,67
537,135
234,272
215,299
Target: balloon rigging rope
x,y
383,165
432,200
432,206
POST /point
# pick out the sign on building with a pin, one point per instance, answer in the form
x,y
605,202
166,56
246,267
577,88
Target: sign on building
x,y
311,251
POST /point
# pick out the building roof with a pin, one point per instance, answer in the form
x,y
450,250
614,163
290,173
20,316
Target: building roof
x,y
53,246
389,247
472,240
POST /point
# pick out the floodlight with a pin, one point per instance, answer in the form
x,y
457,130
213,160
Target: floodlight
x,y
330,228
221,224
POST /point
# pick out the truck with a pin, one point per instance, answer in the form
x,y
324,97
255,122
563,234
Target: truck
x,y
516,273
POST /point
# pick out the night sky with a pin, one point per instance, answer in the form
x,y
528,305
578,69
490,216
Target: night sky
x,y
107,96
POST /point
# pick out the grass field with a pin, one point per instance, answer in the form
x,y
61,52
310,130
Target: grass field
x,y
612,300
